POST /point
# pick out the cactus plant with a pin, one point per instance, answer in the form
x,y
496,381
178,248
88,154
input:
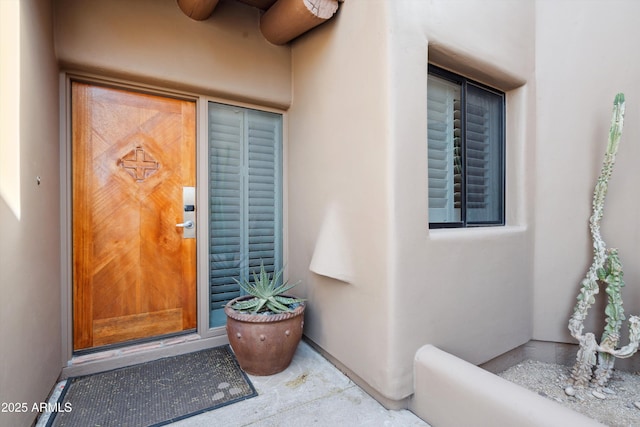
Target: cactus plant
x,y
606,269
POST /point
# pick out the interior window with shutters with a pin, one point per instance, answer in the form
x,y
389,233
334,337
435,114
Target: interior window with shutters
x,y
465,150
245,199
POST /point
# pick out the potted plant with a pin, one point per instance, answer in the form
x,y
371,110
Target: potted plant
x,y
265,326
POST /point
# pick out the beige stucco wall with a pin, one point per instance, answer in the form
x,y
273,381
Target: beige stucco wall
x,y
466,291
356,166
30,356
339,182
358,141
152,41
584,55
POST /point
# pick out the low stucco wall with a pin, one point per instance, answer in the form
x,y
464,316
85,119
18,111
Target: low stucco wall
x,y
452,392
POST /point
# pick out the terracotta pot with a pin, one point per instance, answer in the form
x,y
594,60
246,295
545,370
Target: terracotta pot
x,y
264,344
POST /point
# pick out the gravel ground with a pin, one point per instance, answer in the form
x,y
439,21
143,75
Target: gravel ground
x,y
620,406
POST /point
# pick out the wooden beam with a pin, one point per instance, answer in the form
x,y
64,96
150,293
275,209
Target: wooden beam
x,y
260,4
197,9
287,19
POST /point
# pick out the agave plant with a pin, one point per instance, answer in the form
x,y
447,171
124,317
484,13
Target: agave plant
x,y
267,294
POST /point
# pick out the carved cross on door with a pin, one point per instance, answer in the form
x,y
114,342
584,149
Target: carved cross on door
x,y
139,164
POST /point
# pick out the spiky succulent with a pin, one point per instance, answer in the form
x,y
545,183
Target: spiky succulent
x,y
267,294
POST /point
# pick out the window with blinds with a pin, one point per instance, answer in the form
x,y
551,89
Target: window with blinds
x,y
465,139
245,199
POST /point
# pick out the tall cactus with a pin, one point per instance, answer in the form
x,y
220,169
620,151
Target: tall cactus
x,y
605,268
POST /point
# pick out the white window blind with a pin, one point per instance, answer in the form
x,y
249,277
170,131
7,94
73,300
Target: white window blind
x,y
443,112
245,171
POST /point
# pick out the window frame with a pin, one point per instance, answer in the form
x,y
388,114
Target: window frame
x,y
464,83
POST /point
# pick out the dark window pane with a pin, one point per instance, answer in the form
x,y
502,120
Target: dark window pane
x,y
465,152
484,142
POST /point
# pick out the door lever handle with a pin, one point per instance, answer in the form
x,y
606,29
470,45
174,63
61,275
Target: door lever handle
x,y
186,224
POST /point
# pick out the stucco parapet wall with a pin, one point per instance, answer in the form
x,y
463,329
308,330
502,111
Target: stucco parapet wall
x,y
452,392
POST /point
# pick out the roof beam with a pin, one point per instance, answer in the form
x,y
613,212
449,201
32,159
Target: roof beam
x,y
260,4
288,19
197,9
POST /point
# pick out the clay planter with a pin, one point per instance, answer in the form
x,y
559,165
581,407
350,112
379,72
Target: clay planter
x,y
264,344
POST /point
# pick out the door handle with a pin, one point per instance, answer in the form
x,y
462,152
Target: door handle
x,y
188,223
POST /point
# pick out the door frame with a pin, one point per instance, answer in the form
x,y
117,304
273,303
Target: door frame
x,y
204,337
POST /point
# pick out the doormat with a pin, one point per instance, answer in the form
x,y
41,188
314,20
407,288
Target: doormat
x,y
154,393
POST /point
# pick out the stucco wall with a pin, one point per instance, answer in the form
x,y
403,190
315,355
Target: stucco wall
x,y
466,291
154,42
338,186
30,356
357,166
585,55
358,139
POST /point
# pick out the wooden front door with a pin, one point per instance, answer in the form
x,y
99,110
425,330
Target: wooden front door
x,y
134,273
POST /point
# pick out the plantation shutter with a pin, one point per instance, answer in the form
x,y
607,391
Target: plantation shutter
x,y
245,170
444,150
264,175
483,156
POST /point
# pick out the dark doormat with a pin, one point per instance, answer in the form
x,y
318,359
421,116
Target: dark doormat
x,y
154,393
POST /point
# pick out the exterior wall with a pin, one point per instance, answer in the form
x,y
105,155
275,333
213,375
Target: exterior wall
x,y
357,167
584,57
30,356
358,141
339,186
154,42
466,291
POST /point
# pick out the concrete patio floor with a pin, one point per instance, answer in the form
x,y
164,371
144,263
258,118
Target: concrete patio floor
x,y
310,392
